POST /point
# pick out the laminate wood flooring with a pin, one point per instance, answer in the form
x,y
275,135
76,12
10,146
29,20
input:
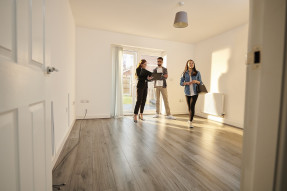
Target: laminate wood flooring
x,y
151,155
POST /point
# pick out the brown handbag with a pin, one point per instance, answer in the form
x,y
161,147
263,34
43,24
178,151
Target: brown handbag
x,y
200,88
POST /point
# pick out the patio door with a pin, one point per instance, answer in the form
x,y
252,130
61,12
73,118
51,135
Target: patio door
x,y
151,58
129,81
130,60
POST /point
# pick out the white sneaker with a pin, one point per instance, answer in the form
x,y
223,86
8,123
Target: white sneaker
x,y
170,117
156,116
190,124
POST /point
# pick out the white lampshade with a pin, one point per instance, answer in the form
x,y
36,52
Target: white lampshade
x,y
180,20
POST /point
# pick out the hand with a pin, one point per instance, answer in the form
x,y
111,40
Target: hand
x,y
165,75
195,82
149,78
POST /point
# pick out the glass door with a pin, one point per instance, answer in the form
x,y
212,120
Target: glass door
x,y
130,60
129,81
151,59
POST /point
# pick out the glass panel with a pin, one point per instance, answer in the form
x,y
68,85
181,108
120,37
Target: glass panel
x,y
150,106
129,82
128,75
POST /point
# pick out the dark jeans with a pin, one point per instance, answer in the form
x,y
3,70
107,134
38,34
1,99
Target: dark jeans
x,y
191,100
141,99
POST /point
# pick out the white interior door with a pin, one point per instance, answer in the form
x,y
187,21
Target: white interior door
x,y
25,156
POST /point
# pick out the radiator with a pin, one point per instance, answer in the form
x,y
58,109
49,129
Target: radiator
x,y
214,104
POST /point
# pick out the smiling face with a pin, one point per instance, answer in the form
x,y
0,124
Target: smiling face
x,y
190,64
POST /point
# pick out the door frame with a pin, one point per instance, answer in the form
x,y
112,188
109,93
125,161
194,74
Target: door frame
x,y
263,94
280,182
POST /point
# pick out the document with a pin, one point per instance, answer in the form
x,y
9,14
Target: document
x,y
159,83
159,70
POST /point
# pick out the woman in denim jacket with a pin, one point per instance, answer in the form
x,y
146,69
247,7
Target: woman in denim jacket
x,y
190,79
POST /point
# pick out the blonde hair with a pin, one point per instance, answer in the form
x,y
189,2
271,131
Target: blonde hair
x,y
140,66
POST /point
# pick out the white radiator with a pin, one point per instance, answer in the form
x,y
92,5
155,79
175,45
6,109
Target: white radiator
x,y
214,104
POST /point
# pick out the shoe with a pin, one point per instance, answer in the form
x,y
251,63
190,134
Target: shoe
x,y
135,119
170,117
156,116
141,117
190,124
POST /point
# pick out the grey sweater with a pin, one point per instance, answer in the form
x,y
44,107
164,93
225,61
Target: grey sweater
x,y
164,71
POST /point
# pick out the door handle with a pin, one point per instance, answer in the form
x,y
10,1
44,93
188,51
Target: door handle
x,y
51,69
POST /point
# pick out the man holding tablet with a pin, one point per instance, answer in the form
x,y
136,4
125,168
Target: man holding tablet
x,y
160,86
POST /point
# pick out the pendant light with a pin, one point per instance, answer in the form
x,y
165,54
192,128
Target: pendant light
x,y
180,20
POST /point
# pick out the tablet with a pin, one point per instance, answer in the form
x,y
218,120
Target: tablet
x,y
157,76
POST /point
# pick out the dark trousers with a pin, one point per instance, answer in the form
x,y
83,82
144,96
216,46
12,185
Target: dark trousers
x,y
191,100
141,99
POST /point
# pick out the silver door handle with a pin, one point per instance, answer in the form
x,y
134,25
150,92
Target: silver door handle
x,y
51,69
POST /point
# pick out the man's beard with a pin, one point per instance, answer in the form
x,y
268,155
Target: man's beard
x,y
159,64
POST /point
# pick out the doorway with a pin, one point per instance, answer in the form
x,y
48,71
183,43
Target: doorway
x,y
131,58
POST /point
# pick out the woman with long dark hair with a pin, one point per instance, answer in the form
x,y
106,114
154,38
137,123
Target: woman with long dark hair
x,y
143,77
190,79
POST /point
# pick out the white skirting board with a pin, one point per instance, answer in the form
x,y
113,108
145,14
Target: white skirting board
x,y
219,119
94,117
58,152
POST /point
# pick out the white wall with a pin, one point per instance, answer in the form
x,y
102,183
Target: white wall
x,y
93,68
222,63
60,53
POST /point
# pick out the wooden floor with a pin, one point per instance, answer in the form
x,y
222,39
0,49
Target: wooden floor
x,y
156,154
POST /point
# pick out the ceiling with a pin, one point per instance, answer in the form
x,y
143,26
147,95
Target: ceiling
x,y
154,18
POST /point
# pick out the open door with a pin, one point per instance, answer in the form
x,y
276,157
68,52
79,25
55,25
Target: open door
x,y
24,145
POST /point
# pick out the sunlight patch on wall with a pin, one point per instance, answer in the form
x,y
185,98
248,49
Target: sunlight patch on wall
x,y
219,66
